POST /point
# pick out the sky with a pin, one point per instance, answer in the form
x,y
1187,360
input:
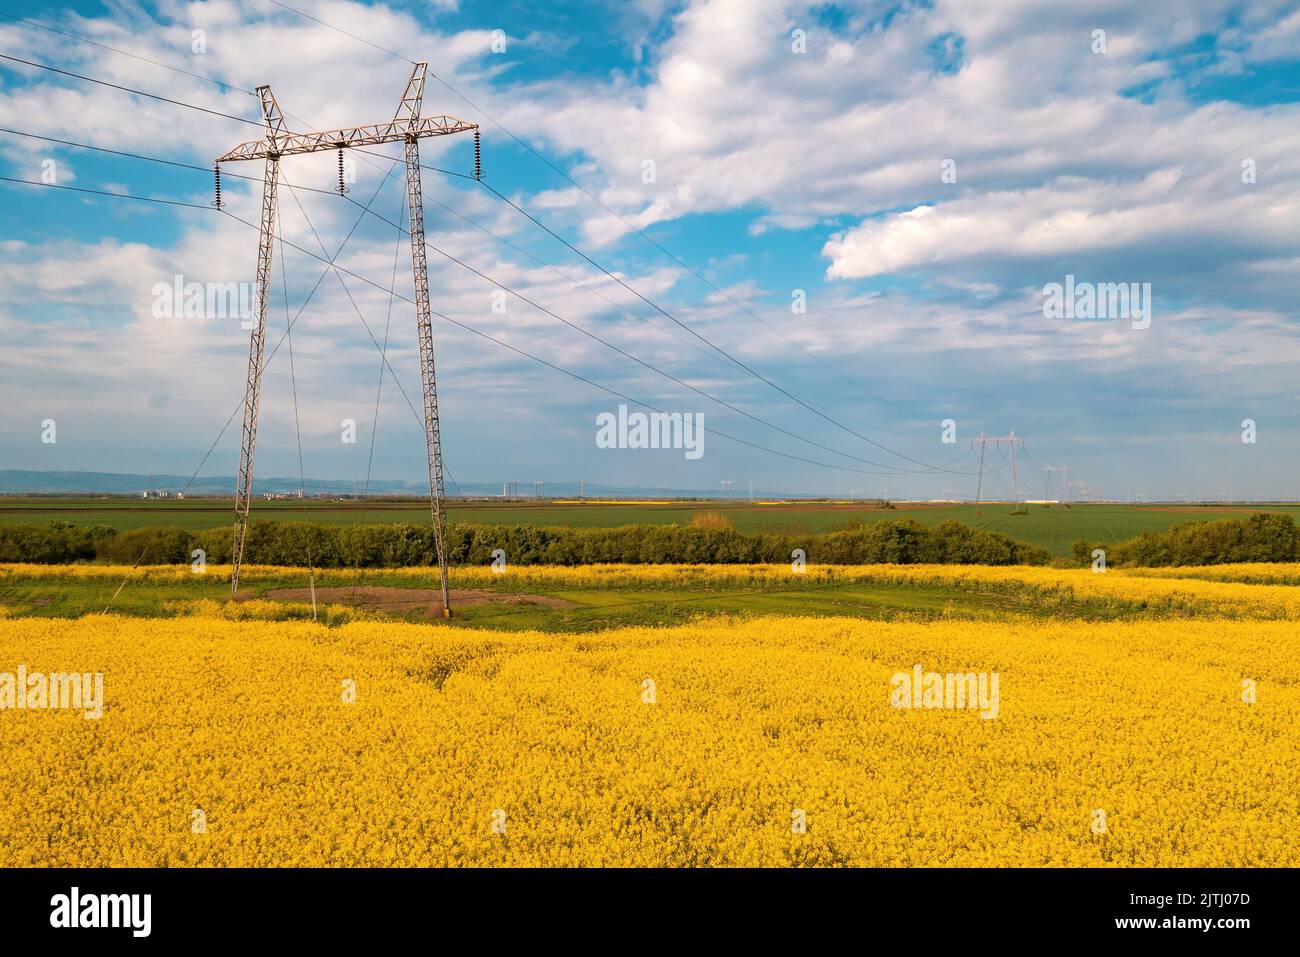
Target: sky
x,y
831,230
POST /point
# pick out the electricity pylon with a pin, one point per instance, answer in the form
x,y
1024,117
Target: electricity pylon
x,y
407,127
984,440
1064,472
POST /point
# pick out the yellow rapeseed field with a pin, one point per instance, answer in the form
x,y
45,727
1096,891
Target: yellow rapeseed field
x,y
728,742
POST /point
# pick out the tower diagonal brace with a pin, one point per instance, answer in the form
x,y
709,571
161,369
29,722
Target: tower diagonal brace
x,y
253,385
424,328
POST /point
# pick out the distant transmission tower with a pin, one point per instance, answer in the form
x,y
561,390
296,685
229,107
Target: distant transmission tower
x,y
1064,472
407,127
1011,441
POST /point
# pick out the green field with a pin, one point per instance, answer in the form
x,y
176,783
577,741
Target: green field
x,y
1055,528
48,592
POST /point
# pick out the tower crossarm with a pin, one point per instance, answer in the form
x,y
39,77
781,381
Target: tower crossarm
x,y
393,131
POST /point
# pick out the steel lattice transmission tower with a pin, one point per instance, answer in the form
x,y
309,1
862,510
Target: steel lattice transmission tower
x,y
1064,472
407,127
986,440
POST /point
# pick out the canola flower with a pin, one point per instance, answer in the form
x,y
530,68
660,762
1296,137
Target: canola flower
x,y
472,748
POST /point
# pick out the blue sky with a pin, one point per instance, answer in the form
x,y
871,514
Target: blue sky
x,y
779,165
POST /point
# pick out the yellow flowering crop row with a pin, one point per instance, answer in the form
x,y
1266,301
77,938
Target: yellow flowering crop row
x,y
1261,573
276,743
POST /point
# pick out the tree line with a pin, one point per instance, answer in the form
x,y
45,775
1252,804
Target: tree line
x,y
399,545
1264,537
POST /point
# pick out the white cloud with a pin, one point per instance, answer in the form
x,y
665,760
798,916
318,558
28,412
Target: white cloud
x,y
1054,165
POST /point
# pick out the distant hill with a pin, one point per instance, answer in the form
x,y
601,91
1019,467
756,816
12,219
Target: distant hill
x,y
22,482
29,482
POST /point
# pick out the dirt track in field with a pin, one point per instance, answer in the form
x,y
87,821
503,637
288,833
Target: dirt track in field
x,y
392,600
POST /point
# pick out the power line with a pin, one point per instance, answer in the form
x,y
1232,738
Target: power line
x,y
383,355
816,411
126,53
154,159
1011,441
593,262
308,16
333,266
586,287
288,329
468,328
809,406
383,350
454,212
287,332
722,352
483,335
461,325
1024,447
567,178
670,316
293,381
589,334
104,192
557,368
73,36
514,292
644,363
148,159
127,89
240,176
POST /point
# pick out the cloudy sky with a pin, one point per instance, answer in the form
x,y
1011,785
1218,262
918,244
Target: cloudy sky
x,y
913,175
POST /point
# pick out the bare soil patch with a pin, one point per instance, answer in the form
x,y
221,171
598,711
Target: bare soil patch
x,y
393,600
